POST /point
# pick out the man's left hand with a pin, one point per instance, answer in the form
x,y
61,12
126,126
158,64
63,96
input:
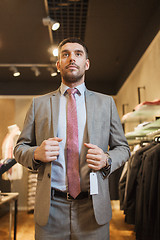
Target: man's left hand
x,y
96,158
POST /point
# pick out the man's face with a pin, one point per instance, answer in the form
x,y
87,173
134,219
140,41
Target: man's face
x,y
72,63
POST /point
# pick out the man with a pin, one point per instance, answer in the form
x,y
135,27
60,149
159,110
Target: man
x,y
85,212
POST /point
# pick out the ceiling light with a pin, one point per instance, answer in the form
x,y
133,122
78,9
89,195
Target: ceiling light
x,y
55,26
55,52
52,72
50,22
15,71
36,71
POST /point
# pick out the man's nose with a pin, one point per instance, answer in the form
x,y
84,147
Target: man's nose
x,y
72,58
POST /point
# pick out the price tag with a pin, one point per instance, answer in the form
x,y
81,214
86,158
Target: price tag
x,y
93,183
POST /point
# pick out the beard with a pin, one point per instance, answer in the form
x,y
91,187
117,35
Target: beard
x,y
72,76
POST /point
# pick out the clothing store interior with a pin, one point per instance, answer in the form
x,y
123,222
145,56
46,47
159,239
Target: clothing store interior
x,y
123,38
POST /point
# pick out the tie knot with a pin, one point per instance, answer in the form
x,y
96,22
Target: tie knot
x,y
72,91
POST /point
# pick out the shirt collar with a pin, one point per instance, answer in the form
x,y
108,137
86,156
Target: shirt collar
x,y
81,88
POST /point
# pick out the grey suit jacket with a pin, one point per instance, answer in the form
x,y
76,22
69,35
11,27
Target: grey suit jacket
x,y
104,129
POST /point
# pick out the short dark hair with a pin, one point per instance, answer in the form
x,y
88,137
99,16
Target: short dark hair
x,y
73,40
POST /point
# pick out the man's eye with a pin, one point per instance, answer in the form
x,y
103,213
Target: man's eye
x,y
78,54
65,54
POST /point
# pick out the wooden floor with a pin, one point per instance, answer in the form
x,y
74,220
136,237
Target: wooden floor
x,y
119,230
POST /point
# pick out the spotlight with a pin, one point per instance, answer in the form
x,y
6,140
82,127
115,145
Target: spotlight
x,y
36,71
50,22
55,52
52,72
15,71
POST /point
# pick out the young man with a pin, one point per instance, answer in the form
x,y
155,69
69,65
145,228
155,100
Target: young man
x,y
78,207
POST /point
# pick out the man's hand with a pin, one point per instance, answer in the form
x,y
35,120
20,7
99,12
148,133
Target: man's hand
x,y
96,158
48,150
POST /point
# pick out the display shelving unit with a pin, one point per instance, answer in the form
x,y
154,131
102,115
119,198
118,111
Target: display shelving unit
x,y
149,113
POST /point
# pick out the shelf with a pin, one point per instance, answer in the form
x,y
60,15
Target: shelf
x,y
147,130
143,113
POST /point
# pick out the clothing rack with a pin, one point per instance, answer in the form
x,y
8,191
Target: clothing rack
x,y
150,139
147,138
139,190
157,139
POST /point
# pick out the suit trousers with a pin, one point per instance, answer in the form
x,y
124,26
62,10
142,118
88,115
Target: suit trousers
x,y
71,220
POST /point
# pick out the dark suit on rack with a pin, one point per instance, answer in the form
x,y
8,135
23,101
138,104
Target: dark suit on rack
x,y
104,129
142,192
147,209
133,183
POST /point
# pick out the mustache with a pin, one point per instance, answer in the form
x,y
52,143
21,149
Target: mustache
x,y
72,64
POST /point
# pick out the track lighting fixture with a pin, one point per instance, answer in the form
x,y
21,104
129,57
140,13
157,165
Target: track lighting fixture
x,y
52,72
50,22
36,71
34,67
15,71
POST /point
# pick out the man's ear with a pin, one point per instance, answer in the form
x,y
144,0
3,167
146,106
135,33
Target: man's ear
x,y
87,64
58,65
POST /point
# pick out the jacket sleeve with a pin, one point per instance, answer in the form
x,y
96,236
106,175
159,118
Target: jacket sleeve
x,y
119,150
26,144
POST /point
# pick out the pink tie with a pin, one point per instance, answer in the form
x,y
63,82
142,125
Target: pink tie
x,y
72,145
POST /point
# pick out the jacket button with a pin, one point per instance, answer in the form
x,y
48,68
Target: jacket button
x,y
49,175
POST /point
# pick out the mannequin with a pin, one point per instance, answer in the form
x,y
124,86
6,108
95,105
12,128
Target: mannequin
x,y
7,153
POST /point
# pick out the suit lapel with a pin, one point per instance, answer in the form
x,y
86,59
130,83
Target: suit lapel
x,y
90,111
55,98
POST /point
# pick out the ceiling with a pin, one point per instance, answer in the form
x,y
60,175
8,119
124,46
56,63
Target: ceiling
x,y
117,34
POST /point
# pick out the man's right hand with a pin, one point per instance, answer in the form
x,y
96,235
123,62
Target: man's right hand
x,y
48,150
